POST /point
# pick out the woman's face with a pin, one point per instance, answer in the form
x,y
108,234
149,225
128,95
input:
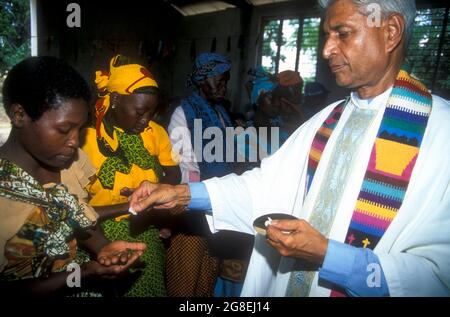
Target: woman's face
x,y
214,88
269,104
54,138
132,113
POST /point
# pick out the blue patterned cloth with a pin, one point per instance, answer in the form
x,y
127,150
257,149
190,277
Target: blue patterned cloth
x,y
262,83
207,65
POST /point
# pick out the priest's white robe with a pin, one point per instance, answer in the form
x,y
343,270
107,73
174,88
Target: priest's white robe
x,y
415,250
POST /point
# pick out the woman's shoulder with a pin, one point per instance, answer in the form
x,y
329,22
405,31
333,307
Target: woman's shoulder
x,y
15,207
14,214
152,124
82,163
79,174
88,138
89,134
11,208
157,129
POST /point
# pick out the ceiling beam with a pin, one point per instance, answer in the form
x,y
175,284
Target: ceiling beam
x,y
242,4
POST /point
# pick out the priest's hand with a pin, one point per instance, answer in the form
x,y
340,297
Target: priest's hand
x,y
298,239
159,196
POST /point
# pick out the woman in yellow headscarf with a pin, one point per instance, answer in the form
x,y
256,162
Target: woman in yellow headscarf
x,y
127,148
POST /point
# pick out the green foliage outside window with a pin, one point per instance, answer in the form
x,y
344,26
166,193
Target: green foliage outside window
x,y
14,33
278,33
429,52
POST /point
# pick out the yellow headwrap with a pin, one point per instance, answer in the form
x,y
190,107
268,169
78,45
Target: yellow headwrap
x,y
123,79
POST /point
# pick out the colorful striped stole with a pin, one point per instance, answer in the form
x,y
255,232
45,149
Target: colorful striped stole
x,y
391,162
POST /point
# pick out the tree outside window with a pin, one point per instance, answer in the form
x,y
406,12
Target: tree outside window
x,y
429,50
14,33
14,45
291,44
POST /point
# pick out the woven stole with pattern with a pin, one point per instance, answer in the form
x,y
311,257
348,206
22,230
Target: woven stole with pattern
x,y
387,176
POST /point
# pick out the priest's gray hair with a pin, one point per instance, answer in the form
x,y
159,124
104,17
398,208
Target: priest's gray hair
x,y
407,8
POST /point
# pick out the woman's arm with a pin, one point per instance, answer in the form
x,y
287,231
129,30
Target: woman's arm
x,y
172,175
92,240
53,285
111,211
113,259
56,284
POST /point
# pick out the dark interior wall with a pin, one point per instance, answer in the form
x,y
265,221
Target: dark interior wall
x,y
160,38
108,28
196,34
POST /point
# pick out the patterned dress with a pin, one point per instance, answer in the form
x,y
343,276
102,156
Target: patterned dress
x,y
125,160
39,223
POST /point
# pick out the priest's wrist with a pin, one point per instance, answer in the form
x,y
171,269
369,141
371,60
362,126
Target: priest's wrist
x,y
183,195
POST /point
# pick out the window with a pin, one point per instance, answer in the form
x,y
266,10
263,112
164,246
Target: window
x,y
429,51
14,46
291,44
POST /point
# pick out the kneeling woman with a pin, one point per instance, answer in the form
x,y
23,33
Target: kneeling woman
x,y
45,220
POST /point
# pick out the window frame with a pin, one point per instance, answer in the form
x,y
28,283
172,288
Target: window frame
x,y
282,17
445,26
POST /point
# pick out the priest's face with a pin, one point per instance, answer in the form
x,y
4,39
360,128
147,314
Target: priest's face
x,y
356,49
